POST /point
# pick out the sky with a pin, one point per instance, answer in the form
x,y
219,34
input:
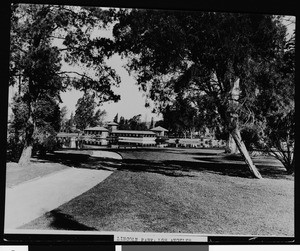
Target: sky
x,y
132,100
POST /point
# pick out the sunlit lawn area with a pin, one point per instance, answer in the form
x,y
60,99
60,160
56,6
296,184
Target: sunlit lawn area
x,y
182,190
16,175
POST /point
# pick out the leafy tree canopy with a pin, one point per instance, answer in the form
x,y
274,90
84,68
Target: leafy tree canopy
x,y
205,55
86,113
133,123
196,51
43,38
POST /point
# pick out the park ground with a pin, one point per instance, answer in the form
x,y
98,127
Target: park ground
x,y
170,190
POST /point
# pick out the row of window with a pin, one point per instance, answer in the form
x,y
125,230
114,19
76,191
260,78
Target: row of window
x,y
132,135
92,142
120,134
93,132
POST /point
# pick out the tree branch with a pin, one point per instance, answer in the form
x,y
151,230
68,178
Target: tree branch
x,y
74,72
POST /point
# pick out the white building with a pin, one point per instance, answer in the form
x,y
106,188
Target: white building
x,y
160,131
132,137
112,126
95,136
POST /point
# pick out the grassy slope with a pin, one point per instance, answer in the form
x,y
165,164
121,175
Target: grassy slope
x,y
172,197
16,174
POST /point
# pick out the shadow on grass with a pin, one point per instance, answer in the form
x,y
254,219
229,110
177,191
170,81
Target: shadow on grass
x,y
227,165
221,166
196,153
234,165
81,160
177,168
165,168
61,221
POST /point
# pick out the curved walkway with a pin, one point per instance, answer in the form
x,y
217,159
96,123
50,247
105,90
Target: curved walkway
x,y
30,200
106,155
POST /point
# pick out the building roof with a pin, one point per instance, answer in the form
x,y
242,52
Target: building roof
x,y
96,128
112,123
159,129
66,134
133,131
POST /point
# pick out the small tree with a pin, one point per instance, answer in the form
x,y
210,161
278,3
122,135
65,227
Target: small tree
x,y
280,139
116,118
136,124
86,114
47,123
63,118
275,106
123,124
151,123
69,125
85,108
98,118
133,123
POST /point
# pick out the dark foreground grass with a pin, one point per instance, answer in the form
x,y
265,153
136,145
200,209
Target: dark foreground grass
x,y
37,168
155,191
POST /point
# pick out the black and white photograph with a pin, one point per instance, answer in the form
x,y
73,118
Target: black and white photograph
x,y
144,120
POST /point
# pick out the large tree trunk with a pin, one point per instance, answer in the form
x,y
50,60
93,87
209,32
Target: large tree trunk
x,y
290,163
27,150
292,169
243,150
231,147
233,118
26,155
28,145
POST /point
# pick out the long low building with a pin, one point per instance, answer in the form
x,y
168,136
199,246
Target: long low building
x,y
203,142
132,137
101,136
110,135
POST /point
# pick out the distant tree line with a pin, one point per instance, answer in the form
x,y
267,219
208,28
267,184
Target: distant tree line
x,y
133,123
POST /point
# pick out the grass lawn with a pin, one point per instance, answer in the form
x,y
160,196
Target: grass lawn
x,y
182,190
38,168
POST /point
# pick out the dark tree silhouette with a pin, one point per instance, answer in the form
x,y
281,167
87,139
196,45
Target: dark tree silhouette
x,y
200,52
